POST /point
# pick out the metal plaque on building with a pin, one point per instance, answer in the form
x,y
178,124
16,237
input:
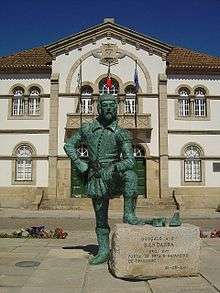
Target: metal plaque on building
x,y
216,167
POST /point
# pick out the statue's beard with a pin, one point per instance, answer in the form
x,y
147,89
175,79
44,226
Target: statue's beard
x,y
109,117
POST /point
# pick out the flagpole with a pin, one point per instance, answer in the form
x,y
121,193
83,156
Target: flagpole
x,y
136,100
80,91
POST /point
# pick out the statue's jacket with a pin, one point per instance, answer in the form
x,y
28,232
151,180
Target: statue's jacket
x,y
107,146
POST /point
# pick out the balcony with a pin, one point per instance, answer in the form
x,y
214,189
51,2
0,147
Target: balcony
x,y
142,132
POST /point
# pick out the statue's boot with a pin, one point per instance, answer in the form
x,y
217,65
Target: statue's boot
x,y
176,220
159,222
103,242
129,216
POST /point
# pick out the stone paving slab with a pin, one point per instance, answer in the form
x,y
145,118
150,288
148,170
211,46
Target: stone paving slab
x,y
127,289
67,270
181,285
26,249
11,280
11,242
48,290
11,289
98,279
60,269
210,264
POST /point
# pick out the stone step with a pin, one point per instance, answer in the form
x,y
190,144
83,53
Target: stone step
x,y
116,204
155,203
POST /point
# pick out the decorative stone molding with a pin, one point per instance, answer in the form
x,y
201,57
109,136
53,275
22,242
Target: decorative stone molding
x,y
91,84
13,165
108,54
200,86
163,135
125,120
95,51
53,136
17,85
97,81
193,183
35,85
184,86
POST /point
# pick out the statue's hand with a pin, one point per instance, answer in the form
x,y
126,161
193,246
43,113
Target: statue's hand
x,y
81,165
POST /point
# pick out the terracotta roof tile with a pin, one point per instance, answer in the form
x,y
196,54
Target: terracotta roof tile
x,y
31,60
181,59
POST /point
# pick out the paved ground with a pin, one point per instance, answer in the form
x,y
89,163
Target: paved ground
x,y
63,264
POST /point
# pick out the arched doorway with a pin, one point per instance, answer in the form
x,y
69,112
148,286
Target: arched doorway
x,y
140,169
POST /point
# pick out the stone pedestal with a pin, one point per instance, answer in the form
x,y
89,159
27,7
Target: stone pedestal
x,y
140,252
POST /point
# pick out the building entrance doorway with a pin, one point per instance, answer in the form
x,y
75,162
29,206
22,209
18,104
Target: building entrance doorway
x,y
140,169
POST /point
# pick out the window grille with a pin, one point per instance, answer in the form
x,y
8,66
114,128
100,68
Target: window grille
x,y
184,103
130,105
82,151
130,101
200,103
86,100
18,102
192,164
34,102
104,89
138,151
86,105
23,163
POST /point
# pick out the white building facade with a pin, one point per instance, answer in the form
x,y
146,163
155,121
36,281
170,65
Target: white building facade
x,y
176,139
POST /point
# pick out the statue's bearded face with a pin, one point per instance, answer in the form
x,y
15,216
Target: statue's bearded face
x,y
108,110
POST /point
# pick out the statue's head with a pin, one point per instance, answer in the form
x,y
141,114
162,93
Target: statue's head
x,y
107,108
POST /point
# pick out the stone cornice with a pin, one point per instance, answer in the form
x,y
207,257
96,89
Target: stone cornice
x,y
195,132
109,30
29,131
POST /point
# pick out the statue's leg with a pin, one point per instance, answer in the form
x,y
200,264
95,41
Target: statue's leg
x,y
130,198
102,230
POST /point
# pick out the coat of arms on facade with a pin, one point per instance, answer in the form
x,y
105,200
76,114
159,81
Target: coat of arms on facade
x,y
108,54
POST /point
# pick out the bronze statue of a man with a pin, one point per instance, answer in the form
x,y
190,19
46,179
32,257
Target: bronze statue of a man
x,y
110,170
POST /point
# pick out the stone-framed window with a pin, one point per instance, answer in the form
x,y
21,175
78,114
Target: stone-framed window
x,y
86,99
34,102
25,104
184,103
24,167
130,100
193,166
192,104
103,88
18,102
200,102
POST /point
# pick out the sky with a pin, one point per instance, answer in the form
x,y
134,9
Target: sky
x,y
193,24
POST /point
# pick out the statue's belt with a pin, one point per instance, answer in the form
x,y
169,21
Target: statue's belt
x,y
97,165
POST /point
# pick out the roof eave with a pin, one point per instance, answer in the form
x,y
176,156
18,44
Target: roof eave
x,y
192,70
104,29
